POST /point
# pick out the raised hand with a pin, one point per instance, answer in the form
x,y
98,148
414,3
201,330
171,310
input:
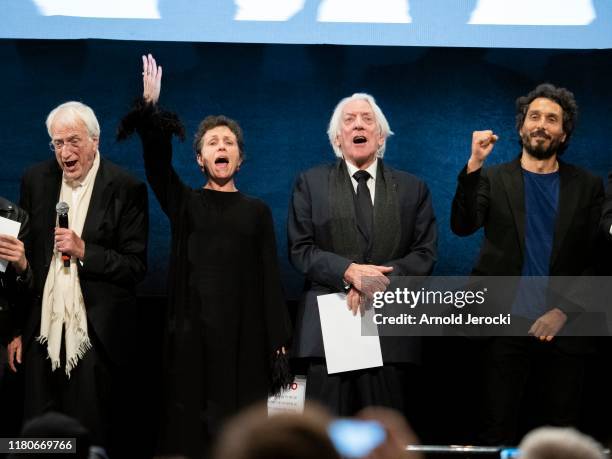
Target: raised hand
x,y
482,145
151,79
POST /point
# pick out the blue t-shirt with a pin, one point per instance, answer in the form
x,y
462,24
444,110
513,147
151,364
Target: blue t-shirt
x,y
541,208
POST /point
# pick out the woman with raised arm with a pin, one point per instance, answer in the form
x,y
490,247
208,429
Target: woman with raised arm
x,y
227,323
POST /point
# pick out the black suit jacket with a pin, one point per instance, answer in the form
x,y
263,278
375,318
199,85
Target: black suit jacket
x,y
115,235
311,251
13,288
605,254
494,198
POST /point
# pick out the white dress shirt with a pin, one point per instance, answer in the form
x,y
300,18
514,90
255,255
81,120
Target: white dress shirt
x,y
371,181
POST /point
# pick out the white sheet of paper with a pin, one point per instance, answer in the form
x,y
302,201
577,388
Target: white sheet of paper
x,y
11,228
345,347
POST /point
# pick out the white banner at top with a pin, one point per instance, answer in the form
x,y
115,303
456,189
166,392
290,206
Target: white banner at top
x,y
466,23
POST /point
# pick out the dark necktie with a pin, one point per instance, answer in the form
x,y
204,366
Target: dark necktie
x,y
363,204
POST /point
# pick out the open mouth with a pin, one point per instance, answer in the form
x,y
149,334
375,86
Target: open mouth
x,y
222,160
359,139
70,164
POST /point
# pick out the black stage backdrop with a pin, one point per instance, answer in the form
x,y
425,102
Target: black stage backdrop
x,y
283,96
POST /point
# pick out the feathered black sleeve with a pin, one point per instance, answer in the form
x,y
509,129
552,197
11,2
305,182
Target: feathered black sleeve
x,y
145,116
281,375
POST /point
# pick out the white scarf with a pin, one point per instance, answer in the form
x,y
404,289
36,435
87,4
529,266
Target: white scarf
x,y
62,302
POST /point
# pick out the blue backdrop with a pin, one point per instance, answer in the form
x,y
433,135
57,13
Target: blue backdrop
x,y
283,96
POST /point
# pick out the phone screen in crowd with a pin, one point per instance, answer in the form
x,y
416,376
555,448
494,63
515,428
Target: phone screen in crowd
x,y
355,438
509,453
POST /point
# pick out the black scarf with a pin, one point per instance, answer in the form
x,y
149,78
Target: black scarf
x,y
346,239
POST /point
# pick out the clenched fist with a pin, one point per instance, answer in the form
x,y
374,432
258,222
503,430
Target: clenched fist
x,y
67,242
482,145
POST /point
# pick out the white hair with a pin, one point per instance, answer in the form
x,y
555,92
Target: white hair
x,y
559,443
335,122
70,113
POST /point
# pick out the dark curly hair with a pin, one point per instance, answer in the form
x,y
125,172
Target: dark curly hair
x,y
213,121
561,96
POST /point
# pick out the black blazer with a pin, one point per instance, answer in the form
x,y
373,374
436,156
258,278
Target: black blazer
x,y
115,234
13,288
494,198
309,231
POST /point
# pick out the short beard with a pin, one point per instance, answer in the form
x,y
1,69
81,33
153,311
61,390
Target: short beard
x,y
539,151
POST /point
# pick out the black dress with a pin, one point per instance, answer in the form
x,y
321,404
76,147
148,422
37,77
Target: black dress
x,y
226,313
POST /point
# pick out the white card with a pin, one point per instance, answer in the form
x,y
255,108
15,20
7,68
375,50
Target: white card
x,y
11,228
290,400
346,349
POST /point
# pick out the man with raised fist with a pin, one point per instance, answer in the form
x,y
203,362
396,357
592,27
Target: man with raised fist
x,y
540,217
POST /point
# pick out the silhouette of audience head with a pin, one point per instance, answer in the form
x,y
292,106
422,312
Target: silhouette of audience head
x,y
254,435
56,425
559,443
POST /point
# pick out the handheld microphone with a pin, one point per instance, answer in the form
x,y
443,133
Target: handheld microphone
x,y
62,218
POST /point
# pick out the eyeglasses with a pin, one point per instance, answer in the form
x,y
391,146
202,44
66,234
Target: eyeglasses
x,y
73,142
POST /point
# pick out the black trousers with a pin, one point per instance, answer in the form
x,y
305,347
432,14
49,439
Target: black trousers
x,y
86,395
346,393
516,366
11,397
